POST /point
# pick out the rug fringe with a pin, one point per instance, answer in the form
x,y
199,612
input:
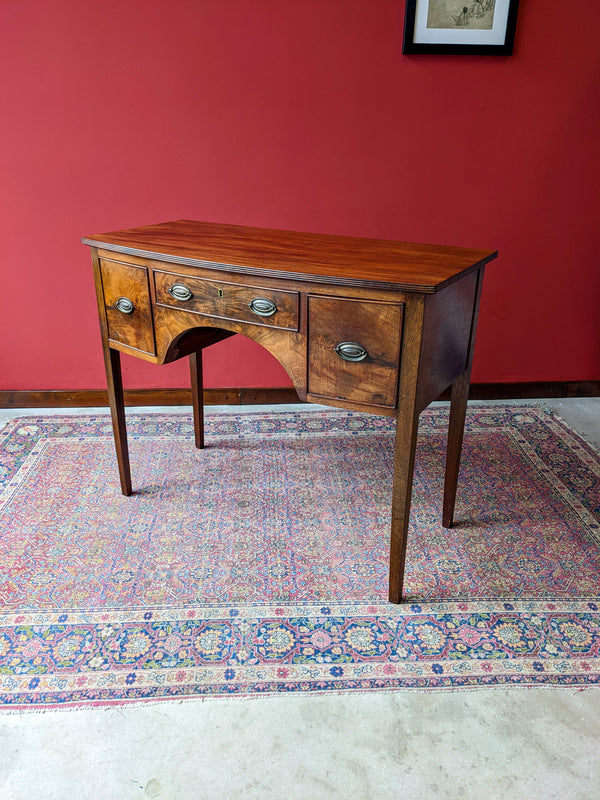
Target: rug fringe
x,y
125,705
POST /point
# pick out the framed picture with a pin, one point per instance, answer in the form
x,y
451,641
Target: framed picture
x,y
462,27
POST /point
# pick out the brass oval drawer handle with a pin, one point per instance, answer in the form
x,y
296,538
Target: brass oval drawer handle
x,y
262,306
180,292
125,305
351,351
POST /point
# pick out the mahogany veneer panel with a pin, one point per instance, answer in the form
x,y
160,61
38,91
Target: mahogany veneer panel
x,y
376,327
135,328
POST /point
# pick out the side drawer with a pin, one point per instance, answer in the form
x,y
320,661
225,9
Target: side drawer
x,y
354,349
274,308
127,302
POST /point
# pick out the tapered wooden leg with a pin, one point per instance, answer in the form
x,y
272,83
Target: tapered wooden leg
x,y
458,410
197,397
404,462
114,381
407,423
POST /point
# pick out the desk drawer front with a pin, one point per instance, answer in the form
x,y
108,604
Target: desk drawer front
x,y
354,349
127,302
271,307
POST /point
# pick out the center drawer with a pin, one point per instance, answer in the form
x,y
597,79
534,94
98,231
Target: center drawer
x,y
274,308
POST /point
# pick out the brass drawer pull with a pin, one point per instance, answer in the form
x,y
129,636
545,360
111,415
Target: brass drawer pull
x,y
180,292
351,351
125,305
262,306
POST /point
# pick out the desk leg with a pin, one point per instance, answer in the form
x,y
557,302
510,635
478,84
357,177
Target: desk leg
x,y
197,397
114,381
458,411
407,423
404,463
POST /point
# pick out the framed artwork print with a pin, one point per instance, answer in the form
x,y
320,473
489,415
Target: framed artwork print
x,y
462,27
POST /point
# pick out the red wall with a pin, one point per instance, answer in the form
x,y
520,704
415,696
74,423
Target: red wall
x,y
301,115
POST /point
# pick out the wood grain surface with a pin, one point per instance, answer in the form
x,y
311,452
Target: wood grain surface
x,y
334,259
376,327
226,300
125,281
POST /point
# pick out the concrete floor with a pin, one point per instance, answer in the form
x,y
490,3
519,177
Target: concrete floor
x,y
486,744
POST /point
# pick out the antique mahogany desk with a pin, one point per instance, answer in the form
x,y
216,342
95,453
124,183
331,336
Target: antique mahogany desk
x,y
376,326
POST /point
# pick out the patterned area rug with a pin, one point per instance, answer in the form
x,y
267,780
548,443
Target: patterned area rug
x,y
259,565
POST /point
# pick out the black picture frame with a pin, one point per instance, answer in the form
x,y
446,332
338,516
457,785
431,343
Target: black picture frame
x,y
460,39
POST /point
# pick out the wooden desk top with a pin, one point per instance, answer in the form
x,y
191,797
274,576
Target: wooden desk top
x,y
342,260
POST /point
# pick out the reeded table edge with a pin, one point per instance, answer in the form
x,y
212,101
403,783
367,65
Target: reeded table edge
x,y
287,274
